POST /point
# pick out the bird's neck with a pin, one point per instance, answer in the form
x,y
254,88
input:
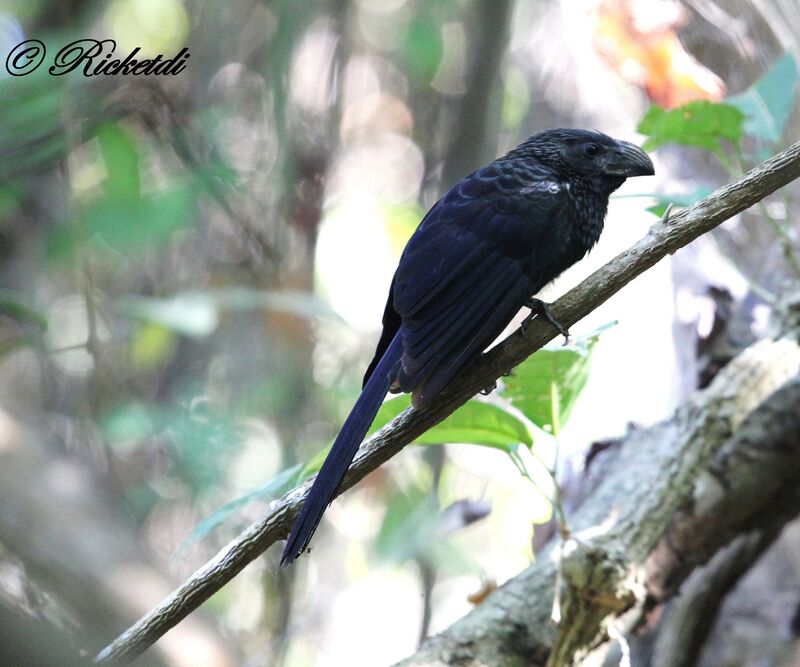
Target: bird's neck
x,y
590,201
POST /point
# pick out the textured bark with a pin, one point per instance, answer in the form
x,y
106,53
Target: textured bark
x,y
663,238
78,558
726,463
689,620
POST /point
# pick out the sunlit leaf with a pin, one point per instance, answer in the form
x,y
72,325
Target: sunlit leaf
x,y
400,222
474,423
545,386
516,98
700,123
770,100
151,345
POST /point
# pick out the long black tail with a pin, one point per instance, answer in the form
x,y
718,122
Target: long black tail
x,y
342,453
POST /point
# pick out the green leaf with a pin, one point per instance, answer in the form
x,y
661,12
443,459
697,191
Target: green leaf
x,y
516,98
129,421
13,307
410,530
400,221
312,466
20,323
126,224
474,423
31,124
409,525
282,482
545,386
681,200
699,123
770,100
9,202
129,225
200,441
424,47
121,157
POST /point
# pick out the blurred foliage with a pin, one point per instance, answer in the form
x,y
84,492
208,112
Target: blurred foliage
x,y
20,323
768,103
749,125
701,123
760,112
412,530
197,314
423,46
31,124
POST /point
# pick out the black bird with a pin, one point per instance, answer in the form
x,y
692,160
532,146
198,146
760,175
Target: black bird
x,y
479,255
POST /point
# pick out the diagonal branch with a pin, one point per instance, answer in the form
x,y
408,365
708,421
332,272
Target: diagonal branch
x,y
664,237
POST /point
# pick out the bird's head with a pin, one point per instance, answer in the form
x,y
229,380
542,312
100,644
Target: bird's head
x,y
585,153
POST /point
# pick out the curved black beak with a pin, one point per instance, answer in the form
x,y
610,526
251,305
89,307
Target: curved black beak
x,y
628,160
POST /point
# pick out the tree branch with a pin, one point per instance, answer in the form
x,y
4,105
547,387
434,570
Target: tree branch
x,y
690,618
727,463
664,237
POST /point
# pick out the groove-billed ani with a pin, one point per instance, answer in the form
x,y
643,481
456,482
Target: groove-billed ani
x,y
494,240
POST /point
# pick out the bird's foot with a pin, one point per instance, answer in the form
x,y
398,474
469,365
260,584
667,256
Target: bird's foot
x,y
488,389
539,307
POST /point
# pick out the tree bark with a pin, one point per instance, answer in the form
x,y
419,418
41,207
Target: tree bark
x,y
726,464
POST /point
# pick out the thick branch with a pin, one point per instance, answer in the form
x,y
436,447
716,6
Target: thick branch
x,y
691,617
727,463
663,238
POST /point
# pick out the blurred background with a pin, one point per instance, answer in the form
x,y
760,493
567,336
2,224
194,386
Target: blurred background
x,y
193,270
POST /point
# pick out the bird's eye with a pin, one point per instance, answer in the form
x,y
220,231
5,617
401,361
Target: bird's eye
x,y
591,149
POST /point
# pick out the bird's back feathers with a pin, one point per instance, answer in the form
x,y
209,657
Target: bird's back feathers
x,y
494,240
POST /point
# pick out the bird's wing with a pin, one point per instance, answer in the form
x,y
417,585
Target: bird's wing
x,y
466,272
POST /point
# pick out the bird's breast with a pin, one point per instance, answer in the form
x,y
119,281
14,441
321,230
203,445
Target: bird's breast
x,y
587,215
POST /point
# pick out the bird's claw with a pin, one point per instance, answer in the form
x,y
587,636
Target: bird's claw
x,y
539,307
488,389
